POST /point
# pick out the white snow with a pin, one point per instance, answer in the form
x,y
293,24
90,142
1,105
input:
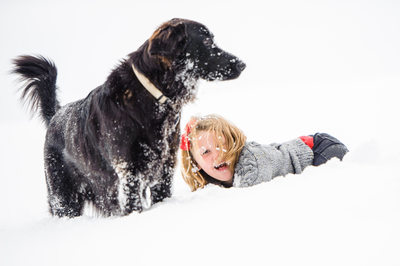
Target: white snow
x,y
312,66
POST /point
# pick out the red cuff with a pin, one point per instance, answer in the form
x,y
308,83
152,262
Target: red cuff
x,y
309,141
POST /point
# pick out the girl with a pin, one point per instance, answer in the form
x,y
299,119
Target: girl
x,y
215,151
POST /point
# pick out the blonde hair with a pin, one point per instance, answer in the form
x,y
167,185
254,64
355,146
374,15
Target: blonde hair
x,y
226,135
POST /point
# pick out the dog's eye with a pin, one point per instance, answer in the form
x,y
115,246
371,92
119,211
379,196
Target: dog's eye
x,y
208,41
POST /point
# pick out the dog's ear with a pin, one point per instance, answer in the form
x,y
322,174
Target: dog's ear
x,y
168,40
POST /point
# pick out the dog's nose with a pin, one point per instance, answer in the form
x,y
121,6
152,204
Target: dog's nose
x,y
240,66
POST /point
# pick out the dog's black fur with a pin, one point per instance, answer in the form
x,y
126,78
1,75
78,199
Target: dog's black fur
x,y
117,147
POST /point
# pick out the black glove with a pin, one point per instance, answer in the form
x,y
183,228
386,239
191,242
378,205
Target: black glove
x,y
326,147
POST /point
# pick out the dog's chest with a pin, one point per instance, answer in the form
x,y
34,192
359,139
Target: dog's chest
x,y
156,153
165,141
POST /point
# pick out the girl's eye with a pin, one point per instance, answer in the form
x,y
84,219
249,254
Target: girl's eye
x,y
205,152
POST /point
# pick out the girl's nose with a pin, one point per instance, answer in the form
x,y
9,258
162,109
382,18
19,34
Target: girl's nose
x,y
213,156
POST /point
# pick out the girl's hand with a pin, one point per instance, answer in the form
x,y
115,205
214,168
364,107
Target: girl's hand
x,y
326,147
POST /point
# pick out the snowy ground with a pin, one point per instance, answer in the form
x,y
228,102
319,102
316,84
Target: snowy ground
x,y
328,66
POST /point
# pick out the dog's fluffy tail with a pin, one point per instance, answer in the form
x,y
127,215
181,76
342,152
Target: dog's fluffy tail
x,y
39,75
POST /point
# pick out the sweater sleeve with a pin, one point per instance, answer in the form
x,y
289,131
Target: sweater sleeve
x,y
261,163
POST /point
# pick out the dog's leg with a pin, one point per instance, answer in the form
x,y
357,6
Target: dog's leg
x,y
161,190
64,198
130,196
130,189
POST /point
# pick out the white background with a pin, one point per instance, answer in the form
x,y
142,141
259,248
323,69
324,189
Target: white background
x,y
312,66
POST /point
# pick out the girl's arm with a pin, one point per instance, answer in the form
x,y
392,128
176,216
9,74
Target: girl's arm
x,y
260,163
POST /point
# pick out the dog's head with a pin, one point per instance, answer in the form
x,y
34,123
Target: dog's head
x,y
189,44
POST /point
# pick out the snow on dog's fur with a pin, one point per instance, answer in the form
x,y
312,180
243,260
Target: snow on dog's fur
x,y
116,148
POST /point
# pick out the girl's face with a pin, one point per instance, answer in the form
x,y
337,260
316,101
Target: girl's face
x,y
206,154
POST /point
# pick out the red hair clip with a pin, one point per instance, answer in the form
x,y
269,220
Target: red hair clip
x,y
185,143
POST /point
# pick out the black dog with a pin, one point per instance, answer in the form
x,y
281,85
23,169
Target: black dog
x,y
117,147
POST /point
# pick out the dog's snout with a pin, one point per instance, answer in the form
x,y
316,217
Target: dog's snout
x,y
240,66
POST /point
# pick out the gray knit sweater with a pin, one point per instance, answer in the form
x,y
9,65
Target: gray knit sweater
x,y
260,163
